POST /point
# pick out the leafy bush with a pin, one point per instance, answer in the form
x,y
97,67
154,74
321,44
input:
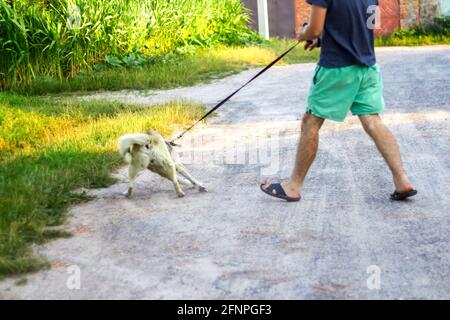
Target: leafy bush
x,y
439,26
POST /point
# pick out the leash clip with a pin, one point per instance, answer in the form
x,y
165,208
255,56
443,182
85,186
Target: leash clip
x,y
173,144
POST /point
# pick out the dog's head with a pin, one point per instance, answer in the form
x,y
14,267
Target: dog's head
x,y
156,137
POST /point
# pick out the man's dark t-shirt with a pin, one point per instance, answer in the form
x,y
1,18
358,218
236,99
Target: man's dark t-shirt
x,y
347,39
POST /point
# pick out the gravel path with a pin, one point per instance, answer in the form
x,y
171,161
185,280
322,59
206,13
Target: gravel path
x,y
234,242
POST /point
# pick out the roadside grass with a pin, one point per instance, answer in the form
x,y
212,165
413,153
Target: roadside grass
x,y
50,147
409,40
201,66
298,55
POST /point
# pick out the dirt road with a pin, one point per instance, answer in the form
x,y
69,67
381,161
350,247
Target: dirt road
x,y
234,242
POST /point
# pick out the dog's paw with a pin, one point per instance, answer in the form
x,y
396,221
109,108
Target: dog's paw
x,y
128,193
180,194
202,189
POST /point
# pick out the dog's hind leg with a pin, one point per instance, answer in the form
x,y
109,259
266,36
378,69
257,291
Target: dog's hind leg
x,y
132,173
182,170
183,181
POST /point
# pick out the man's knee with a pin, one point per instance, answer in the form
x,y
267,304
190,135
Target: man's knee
x,y
371,123
311,123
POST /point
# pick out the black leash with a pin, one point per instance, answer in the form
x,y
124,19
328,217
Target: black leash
x,y
221,103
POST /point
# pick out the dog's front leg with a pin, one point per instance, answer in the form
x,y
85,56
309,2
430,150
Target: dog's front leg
x,y
132,173
182,170
176,184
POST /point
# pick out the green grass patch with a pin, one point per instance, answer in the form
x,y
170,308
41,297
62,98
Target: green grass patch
x,y
298,55
408,40
53,146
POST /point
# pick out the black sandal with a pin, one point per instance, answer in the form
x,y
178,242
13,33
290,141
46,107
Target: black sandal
x,y
399,196
277,191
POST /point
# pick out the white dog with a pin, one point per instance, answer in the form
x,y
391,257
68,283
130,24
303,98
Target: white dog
x,y
150,151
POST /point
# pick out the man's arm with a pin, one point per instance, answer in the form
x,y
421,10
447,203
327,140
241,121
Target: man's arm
x,y
316,23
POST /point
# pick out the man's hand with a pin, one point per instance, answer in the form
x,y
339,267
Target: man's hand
x,y
311,44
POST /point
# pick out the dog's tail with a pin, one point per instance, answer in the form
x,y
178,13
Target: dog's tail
x,y
130,141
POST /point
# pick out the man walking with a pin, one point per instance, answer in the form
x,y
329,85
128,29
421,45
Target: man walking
x,y
346,78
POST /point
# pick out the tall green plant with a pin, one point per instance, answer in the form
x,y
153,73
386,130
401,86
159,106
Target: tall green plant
x,y
14,46
58,38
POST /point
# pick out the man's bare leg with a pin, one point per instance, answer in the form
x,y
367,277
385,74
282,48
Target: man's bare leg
x,y
306,153
387,146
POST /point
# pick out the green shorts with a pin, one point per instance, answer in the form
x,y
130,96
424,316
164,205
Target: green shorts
x,y
335,91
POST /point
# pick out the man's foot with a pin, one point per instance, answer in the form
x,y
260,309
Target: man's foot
x,y
399,196
403,189
285,191
402,184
